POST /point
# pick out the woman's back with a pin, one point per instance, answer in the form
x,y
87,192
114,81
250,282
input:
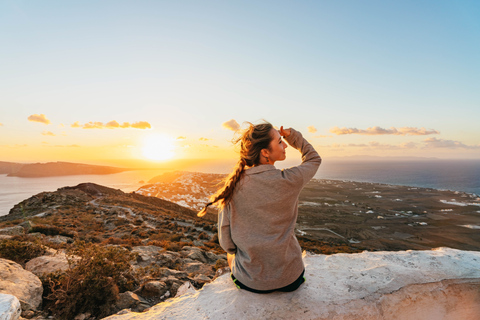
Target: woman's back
x,y
258,222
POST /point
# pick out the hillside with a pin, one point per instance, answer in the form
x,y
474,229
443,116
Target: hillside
x,y
366,216
51,169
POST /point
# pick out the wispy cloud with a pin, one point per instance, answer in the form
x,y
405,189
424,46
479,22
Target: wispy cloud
x,y
374,145
404,131
312,129
1,124
38,118
181,138
447,144
111,125
204,139
231,125
48,133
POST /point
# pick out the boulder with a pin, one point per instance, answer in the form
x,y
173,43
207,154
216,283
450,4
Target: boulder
x,y
147,254
155,288
130,300
9,307
20,283
428,285
193,253
47,264
184,289
12,231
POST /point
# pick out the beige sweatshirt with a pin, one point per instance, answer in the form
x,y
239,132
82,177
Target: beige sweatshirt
x,y
259,222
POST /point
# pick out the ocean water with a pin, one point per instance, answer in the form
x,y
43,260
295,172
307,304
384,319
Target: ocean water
x,y
457,175
15,189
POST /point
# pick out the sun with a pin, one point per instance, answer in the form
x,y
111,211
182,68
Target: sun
x,y
158,147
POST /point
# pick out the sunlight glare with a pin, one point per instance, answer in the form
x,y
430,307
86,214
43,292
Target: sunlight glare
x,y
158,147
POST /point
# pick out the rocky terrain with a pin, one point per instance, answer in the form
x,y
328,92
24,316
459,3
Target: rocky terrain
x,y
89,251
51,169
167,246
361,215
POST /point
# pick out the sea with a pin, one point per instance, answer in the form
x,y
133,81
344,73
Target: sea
x,y
455,175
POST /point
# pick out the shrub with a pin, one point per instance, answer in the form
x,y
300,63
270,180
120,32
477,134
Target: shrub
x,y
51,230
20,251
91,284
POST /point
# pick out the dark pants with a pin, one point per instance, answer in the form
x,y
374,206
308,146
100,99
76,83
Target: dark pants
x,y
291,287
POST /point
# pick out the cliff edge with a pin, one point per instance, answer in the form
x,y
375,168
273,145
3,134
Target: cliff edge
x,y
435,284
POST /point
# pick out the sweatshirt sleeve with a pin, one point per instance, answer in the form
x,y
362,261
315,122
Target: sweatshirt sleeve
x,y
310,159
224,233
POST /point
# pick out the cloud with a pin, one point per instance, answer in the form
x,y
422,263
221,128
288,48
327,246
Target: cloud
x,y
181,138
141,125
312,129
374,145
447,144
93,125
404,131
38,118
204,139
231,125
48,133
1,124
112,125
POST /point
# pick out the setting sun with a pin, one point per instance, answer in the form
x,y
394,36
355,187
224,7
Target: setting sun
x,y
158,147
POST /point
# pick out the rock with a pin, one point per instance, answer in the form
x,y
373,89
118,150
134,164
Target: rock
x,y
193,253
185,288
47,264
428,285
5,237
192,267
201,278
9,307
58,239
28,314
147,254
130,300
214,257
12,231
27,225
157,288
20,283
82,316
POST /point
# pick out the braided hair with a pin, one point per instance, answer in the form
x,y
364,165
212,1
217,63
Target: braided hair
x,y
252,141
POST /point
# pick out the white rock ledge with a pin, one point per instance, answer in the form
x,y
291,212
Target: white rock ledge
x,y
437,284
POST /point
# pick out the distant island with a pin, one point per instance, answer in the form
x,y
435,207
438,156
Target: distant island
x,y
52,169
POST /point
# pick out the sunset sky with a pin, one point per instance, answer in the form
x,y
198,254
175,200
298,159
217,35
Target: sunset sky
x,y
111,81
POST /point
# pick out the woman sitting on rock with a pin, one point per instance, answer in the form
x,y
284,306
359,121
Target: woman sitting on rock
x,y
259,207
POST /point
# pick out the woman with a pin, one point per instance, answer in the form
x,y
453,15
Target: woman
x,y
259,208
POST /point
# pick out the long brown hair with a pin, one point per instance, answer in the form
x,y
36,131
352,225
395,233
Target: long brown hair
x,y
252,141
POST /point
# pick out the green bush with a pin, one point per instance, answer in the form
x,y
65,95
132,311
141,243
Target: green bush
x,y
20,251
92,283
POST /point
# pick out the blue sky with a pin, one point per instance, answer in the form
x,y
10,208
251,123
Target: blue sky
x,y
354,72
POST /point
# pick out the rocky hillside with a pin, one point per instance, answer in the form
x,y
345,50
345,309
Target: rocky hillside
x,y
362,215
138,250
52,169
164,245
